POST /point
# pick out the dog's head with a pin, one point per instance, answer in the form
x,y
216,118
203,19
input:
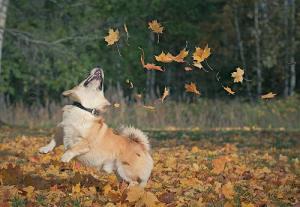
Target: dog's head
x,y
89,92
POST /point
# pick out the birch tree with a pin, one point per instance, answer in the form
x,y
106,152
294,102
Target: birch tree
x,y
3,12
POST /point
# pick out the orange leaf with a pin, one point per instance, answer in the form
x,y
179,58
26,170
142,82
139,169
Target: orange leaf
x,y
192,88
201,54
229,90
112,37
182,54
228,190
219,165
155,26
238,75
149,66
268,95
165,58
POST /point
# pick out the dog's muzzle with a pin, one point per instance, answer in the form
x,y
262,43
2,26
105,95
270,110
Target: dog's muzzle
x,y
96,74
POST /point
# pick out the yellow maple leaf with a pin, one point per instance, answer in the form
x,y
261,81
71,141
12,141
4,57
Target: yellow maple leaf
x,y
238,75
165,94
76,188
135,193
195,149
165,58
182,54
201,54
228,190
229,90
268,95
156,27
116,105
192,88
112,37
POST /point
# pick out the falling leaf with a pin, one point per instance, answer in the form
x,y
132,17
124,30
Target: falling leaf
x,y
130,83
165,58
112,37
228,190
238,75
188,68
198,65
152,108
268,95
149,66
192,88
165,94
156,27
182,54
126,30
116,105
201,54
229,90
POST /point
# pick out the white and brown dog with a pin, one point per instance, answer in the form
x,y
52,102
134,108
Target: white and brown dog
x,y
88,139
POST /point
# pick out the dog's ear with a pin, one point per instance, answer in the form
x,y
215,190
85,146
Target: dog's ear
x,y
68,92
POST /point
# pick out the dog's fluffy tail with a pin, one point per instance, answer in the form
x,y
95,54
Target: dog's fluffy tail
x,y
136,135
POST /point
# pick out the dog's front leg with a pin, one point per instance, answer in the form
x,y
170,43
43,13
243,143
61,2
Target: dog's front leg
x,y
56,141
76,150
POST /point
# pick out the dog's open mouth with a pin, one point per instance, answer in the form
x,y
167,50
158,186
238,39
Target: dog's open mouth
x,y
96,74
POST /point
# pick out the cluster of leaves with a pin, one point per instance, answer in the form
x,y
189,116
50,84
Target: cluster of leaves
x,y
184,174
199,56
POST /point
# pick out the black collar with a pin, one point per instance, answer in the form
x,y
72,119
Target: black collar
x,y
94,112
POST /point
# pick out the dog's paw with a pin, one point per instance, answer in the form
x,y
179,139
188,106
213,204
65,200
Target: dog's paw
x,y
67,157
45,149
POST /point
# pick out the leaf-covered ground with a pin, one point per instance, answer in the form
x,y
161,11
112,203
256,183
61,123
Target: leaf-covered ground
x,y
192,168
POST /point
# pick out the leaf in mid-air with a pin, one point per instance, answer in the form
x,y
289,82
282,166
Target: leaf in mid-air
x,y
165,94
165,58
229,90
187,68
201,54
149,66
268,95
112,37
192,88
182,54
155,26
238,75
198,65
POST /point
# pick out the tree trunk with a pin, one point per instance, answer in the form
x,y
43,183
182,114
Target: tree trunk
x,y
257,48
3,12
293,49
241,47
286,49
150,83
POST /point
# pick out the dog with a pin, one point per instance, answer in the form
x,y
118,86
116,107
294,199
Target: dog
x,y
87,137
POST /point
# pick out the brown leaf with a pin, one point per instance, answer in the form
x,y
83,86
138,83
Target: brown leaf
x,y
182,54
155,26
167,197
192,88
149,66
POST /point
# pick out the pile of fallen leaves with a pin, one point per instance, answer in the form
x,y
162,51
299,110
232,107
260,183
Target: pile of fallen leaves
x,y
190,171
